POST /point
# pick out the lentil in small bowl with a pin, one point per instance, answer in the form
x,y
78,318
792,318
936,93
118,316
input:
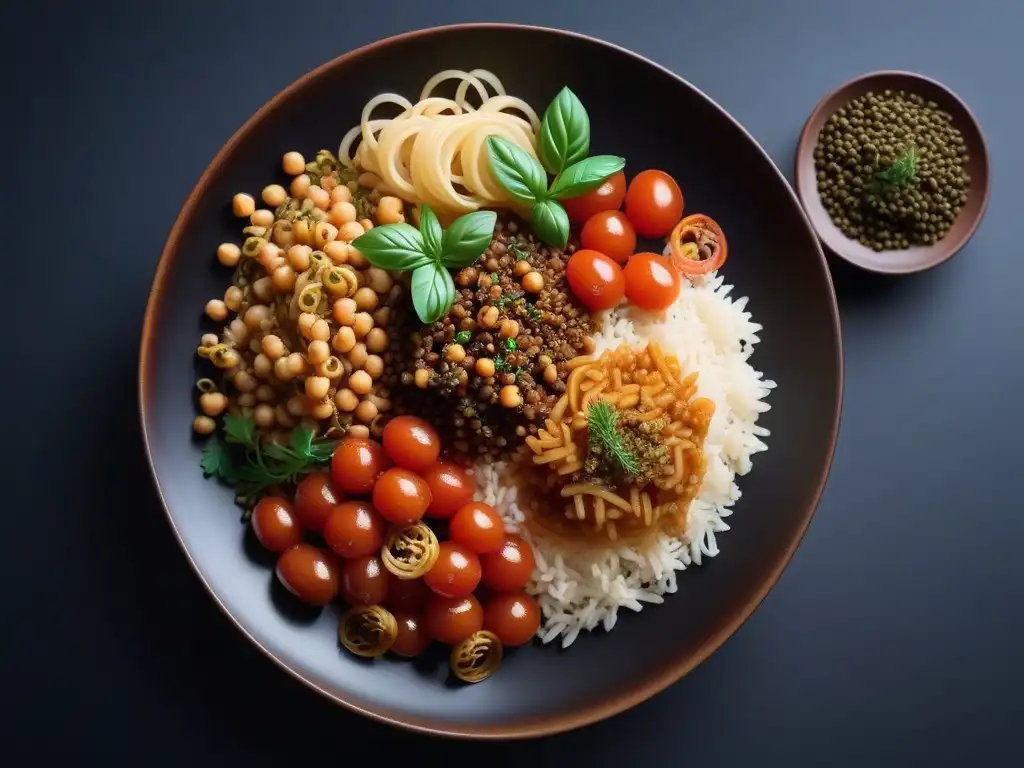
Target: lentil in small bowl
x,y
892,170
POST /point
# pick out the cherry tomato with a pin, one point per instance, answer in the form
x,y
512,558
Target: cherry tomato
x,y
406,594
651,281
315,497
607,197
364,581
354,529
411,443
356,464
510,567
595,279
401,496
477,527
412,639
610,233
513,617
654,203
309,574
451,620
456,572
274,523
450,487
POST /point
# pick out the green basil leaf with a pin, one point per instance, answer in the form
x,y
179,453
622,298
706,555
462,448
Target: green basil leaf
x,y
516,170
433,292
585,175
550,223
397,247
467,238
564,132
430,229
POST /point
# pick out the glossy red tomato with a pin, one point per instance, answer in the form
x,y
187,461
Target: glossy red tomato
x,y
654,203
610,233
315,497
274,523
450,487
354,529
356,464
451,620
401,496
309,574
406,594
510,567
412,639
513,617
478,527
411,443
651,281
364,581
456,572
607,197
595,279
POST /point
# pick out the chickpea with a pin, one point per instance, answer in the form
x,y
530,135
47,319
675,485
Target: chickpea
x,y
318,351
245,382
344,340
255,315
263,289
283,234
284,279
455,353
360,382
246,400
358,430
362,324
330,368
328,182
298,405
356,258
283,418
228,254
239,330
381,316
305,323
357,355
302,232
216,310
344,311
282,370
377,340
349,231
233,298
321,197
374,366
293,163
320,331
521,268
298,257
346,400
341,194
262,365
551,373
209,340
203,425
366,299
265,393
300,186
274,195
485,367
270,257
262,217
263,415
272,346
508,329
366,224
213,403
533,282
337,251
487,317
366,411
421,378
509,396
324,233
316,387
296,365
242,205
342,212
389,210
379,280
322,411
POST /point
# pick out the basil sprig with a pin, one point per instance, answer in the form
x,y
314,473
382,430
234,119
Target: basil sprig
x,y
563,146
428,253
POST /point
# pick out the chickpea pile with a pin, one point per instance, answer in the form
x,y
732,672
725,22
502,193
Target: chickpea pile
x,y
305,339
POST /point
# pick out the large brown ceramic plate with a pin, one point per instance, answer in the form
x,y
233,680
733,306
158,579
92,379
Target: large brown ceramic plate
x,y
774,258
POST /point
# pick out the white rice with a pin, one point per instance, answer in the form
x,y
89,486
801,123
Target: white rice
x,y
582,589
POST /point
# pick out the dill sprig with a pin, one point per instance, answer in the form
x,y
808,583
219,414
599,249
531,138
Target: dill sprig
x,y
605,439
902,172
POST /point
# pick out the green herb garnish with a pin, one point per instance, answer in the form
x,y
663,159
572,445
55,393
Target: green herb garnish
x,y
429,253
511,345
604,439
563,147
901,173
494,278
463,337
516,250
507,298
499,363
533,311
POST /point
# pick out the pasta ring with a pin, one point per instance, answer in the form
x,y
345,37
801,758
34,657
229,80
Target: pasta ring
x,y
477,657
410,551
368,630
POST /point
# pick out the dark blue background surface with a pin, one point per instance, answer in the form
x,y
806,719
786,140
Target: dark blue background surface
x,y
893,637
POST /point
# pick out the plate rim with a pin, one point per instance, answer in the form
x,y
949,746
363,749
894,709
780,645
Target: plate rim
x,y
603,708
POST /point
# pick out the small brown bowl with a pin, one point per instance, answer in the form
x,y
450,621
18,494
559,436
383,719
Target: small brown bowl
x,y
916,258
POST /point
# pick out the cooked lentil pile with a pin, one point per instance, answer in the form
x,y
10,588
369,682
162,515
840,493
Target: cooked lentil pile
x,y
494,366
890,169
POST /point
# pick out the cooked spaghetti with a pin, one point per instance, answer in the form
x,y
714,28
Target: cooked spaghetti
x,y
434,151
